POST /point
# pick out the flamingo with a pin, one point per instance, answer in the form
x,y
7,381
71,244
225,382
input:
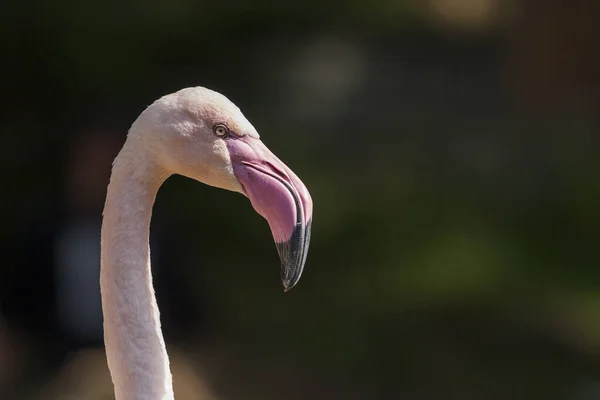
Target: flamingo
x,y
200,134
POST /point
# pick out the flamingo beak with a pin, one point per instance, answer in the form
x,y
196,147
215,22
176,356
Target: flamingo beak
x,y
280,197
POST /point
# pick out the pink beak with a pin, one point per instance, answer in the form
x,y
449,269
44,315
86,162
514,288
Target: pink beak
x,y
280,197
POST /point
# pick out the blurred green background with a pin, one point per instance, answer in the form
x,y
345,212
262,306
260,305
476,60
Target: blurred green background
x,y
451,149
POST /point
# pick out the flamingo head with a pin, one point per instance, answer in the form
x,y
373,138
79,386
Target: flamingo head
x,y
199,133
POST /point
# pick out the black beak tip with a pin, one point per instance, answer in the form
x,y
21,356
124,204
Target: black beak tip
x,y
288,284
293,255
289,278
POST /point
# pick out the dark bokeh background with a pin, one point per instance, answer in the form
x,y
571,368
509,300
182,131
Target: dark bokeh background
x,y
451,148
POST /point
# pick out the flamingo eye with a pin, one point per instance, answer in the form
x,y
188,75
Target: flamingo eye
x,y
220,130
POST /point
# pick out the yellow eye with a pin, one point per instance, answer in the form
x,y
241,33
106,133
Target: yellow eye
x,y
220,130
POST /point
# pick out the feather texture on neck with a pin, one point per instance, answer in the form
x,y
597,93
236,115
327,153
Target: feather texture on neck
x,y
136,351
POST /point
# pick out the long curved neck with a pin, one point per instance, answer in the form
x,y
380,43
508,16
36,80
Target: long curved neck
x,y
135,348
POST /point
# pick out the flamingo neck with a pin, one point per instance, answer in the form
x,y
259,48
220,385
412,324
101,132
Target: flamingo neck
x,y
135,347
